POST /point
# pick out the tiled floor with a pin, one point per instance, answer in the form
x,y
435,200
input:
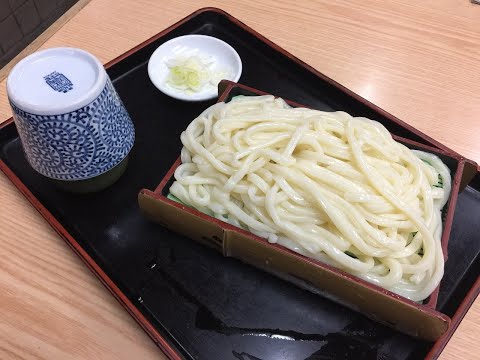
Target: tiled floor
x,y
21,21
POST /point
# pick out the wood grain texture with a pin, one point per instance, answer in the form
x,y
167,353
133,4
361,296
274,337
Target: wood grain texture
x,y
51,305
418,60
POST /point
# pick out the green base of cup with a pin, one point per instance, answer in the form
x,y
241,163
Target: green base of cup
x,y
94,184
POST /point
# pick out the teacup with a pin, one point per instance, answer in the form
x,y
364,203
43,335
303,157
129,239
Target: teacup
x,y
73,126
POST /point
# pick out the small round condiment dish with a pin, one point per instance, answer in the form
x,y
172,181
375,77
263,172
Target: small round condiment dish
x,y
224,61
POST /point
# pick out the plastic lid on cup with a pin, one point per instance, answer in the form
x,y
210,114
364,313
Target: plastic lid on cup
x,y
56,81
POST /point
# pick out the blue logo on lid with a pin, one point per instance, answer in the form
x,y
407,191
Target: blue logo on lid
x,y
58,82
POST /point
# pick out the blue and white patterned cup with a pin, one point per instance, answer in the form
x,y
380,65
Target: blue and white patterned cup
x,y
72,124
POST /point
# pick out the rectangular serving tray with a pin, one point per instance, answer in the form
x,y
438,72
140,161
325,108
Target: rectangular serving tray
x,y
194,303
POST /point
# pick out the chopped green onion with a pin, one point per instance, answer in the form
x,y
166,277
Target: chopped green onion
x,y
190,71
439,184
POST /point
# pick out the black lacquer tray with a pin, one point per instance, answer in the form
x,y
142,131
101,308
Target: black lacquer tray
x,y
194,303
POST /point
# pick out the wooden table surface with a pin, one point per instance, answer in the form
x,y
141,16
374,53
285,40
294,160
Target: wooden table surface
x,y
419,60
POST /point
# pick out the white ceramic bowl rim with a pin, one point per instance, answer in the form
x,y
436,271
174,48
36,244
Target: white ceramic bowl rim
x,y
60,108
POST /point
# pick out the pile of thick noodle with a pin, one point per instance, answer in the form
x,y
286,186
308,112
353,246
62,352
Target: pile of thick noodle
x,y
324,184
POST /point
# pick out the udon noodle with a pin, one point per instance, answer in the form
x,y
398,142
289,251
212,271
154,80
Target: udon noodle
x,y
327,185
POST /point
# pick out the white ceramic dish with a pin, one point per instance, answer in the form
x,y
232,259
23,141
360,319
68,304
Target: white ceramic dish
x,y
225,59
